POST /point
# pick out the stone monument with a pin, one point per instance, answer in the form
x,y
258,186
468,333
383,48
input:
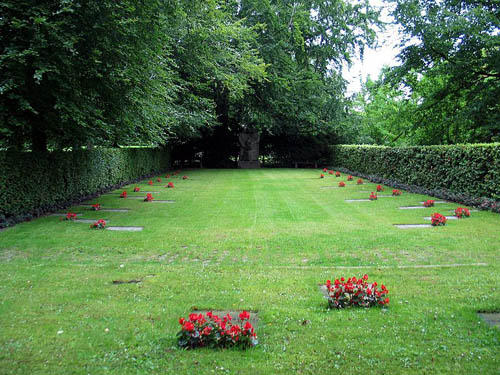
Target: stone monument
x,y
249,150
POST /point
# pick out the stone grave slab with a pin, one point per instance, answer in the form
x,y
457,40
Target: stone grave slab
x,y
357,200
492,319
62,215
88,221
234,314
323,290
150,192
161,201
411,207
447,218
114,209
410,226
437,202
135,197
387,196
126,229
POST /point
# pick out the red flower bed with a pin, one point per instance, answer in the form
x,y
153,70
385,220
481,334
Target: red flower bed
x,y
321,175
137,189
360,182
215,332
167,176
429,203
170,185
341,184
158,180
99,224
330,172
149,197
462,212
96,207
184,177
373,197
355,292
324,169
438,219
150,182
380,188
337,174
396,192
123,194
70,216
349,178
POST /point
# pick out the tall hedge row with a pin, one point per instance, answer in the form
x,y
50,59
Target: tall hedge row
x,y
32,184
466,173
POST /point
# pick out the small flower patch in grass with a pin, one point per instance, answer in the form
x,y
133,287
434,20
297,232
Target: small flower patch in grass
x,y
170,185
360,181
150,182
184,177
95,207
437,219
158,180
380,188
373,196
321,175
99,224
396,192
167,176
341,184
355,292
349,178
325,170
210,330
149,197
429,203
70,216
123,194
330,172
461,212
337,174
137,189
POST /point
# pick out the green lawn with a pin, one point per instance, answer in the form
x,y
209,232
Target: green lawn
x,y
260,240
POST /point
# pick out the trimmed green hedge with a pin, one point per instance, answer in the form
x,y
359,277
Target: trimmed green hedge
x,y
463,172
32,184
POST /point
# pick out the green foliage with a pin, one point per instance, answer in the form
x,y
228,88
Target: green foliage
x,y
472,170
34,183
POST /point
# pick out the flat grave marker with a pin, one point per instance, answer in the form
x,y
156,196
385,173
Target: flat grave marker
x,y
411,207
88,221
492,319
410,226
126,229
162,201
234,314
447,218
63,214
357,200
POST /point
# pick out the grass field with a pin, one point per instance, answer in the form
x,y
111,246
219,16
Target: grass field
x,y
260,240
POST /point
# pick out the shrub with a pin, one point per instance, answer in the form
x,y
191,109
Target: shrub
x,y
184,177
380,188
360,181
123,194
396,192
52,181
349,178
321,175
170,185
462,212
137,189
337,174
149,197
355,292
150,183
341,184
95,207
438,219
70,216
373,196
469,174
215,332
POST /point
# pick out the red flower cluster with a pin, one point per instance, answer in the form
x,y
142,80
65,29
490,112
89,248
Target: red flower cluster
x,y
123,195
150,182
99,224
337,174
167,176
396,192
373,197
215,332
137,189
355,292
158,180
69,216
349,178
330,172
380,188
321,175
149,197
170,185
341,184
462,212
360,182
438,219
96,207
184,177
429,203
324,169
